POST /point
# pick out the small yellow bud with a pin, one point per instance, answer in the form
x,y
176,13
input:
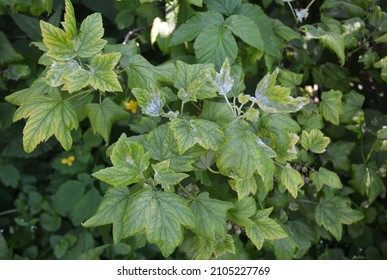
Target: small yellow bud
x,y
131,106
71,158
64,161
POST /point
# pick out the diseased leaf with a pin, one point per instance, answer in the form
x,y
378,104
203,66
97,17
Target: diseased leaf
x,y
264,228
331,106
210,216
129,162
332,212
214,45
242,212
166,177
151,101
103,116
102,76
47,115
161,215
314,141
276,99
243,153
325,177
189,132
291,179
194,81
244,187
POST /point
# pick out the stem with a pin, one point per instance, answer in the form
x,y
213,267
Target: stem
x,y
362,150
371,151
229,105
294,14
310,4
10,211
187,192
182,107
307,201
134,31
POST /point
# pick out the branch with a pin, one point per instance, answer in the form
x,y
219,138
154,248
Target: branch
x,y
134,31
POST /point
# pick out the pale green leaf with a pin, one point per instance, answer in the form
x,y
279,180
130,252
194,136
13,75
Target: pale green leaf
x,y
210,216
243,210
314,141
223,245
59,45
192,27
189,132
310,118
162,144
276,99
70,23
284,248
331,106
102,76
332,212
161,215
325,177
352,107
194,81
214,44
244,187
204,249
47,115
59,70
103,116
151,101
245,29
366,181
166,177
291,179
129,162
242,152
89,42
111,211
264,228
281,121
217,112
140,72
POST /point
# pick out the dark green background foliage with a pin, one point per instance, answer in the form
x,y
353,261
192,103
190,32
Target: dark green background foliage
x,y
260,130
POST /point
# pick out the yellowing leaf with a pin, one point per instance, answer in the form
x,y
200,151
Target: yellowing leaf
x,y
331,106
326,177
47,115
291,179
314,141
165,176
102,76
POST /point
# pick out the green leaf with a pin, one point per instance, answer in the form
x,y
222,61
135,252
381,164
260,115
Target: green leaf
x,y
189,132
381,39
338,152
194,81
9,175
196,24
243,153
223,245
217,112
314,141
46,116
243,210
332,212
89,42
151,101
166,177
366,181
3,248
204,249
264,228
129,162
112,211
276,99
330,106
310,118
325,177
214,45
8,52
140,72
291,179
284,248
352,107
226,7
246,29
332,40
161,215
85,207
210,216
280,121
67,196
103,116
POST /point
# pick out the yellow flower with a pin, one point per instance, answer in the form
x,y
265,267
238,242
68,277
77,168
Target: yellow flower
x,y
67,161
131,106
